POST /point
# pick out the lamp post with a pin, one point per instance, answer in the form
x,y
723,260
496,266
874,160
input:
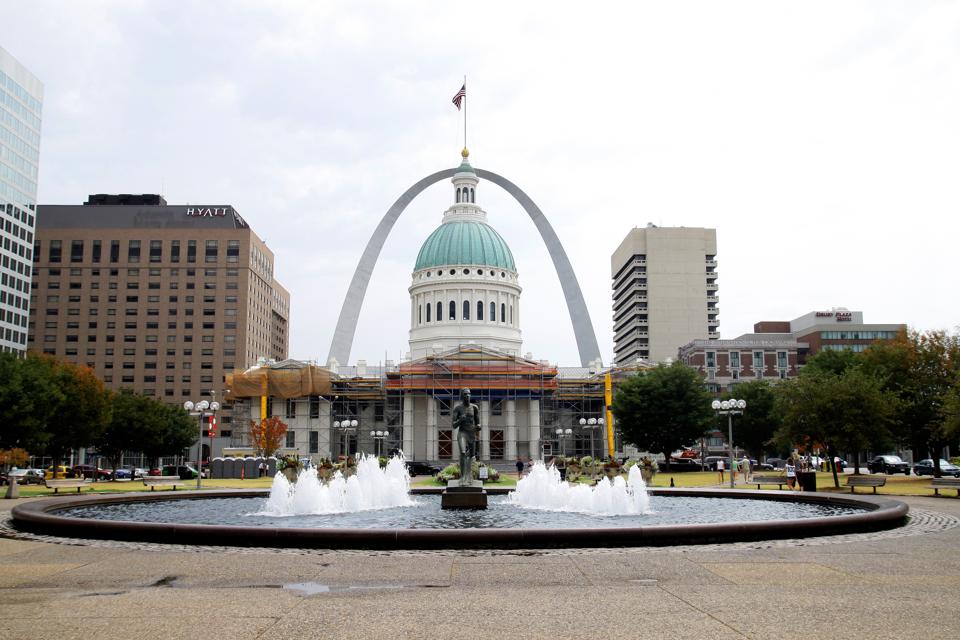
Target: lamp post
x,y
345,426
200,409
561,435
591,423
378,438
729,408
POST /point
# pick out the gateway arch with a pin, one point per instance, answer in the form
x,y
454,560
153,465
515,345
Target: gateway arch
x,y
350,312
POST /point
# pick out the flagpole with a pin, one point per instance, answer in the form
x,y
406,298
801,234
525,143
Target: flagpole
x,y
464,111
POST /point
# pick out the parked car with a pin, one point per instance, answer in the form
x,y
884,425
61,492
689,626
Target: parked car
x,y
89,471
888,464
60,473
155,472
711,462
186,472
417,468
776,463
925,468
680,465
127,472
27,476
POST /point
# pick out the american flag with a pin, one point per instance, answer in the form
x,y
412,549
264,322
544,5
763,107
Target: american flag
x,y
457,99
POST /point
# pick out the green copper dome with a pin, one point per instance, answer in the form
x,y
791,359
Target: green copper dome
x,y
465,242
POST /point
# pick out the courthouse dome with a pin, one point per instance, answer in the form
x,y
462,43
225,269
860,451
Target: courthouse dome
x,y
465,242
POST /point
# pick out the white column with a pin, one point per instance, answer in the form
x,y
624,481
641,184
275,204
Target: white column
x,y
534,428
485,429
433,434
510,435
408,423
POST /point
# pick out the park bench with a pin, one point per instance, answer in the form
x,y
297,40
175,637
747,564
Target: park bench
x,y
66,483
945,483
762,479
865,481
163,481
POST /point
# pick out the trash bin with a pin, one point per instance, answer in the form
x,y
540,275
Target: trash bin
x,y
808,480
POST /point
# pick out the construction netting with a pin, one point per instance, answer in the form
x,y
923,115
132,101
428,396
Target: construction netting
x,y
281,383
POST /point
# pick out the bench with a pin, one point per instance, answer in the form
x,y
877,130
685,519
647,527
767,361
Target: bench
x,y
761,479
945,483
163,481
865,481
66,483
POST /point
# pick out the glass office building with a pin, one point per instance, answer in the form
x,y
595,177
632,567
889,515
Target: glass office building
x,y
21,99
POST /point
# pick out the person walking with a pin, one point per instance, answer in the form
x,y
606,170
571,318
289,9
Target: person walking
x,y
745,469
720,470
520,466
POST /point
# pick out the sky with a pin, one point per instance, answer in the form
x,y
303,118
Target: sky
x,y
820,139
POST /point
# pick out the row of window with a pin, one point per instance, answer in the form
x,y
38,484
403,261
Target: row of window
x,y
55,272
711,359
858,335
155,251
452,312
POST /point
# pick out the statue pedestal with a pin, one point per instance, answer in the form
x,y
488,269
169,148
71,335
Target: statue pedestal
x,y
468,496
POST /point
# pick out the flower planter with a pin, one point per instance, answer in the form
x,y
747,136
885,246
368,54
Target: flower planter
x,y
290,474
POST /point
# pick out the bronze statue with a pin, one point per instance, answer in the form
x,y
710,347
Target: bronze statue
x,y
466,422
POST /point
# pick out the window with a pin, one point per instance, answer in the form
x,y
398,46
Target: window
x,y
56,250
493,312
156,250
174,251
429,307
314,442
315,405
291,408
734,360
503,312
291,440
781,360
133,251
191,252
419,314
212,247
466,309
758,363
479,309
453,310
439,311
711,359
233,251
114,253
76,251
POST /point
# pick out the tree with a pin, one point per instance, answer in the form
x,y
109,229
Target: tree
x,y
133,416
29,398
173,431
663,409
835,362
266,435
82,414
849,412
921,369
755,428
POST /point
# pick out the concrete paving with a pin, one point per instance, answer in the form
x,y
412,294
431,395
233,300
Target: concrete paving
x,y
903,583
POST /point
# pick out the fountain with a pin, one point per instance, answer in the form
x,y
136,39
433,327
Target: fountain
x,y
369,488
375,509
543,489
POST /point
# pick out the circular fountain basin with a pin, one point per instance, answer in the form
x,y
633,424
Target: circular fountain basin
x,y
677,516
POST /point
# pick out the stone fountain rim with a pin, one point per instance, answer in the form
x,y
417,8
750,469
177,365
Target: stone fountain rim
x,y
41,516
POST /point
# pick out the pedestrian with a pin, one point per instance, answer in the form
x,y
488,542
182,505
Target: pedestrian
x,y
745,469
791,474
720,470
519,467
263,469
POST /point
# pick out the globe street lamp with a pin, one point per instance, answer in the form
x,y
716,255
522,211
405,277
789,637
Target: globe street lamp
x,y
201,409
591,423
378,438
729,408
345,426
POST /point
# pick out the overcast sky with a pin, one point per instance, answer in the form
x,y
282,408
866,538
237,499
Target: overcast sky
x,y
820,139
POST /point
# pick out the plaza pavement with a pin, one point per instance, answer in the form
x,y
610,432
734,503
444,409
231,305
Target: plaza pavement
x,y
899,584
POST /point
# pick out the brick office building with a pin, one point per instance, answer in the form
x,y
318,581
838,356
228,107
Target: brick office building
x,y
165,300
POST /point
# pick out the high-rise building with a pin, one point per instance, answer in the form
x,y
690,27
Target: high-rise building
x,y
664,292
21,99
164,300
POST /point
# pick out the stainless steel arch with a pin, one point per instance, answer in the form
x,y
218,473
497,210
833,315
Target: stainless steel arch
x,y
342,341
